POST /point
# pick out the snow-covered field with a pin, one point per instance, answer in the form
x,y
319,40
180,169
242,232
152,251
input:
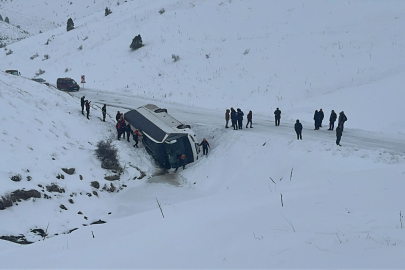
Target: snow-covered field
x,y
261,199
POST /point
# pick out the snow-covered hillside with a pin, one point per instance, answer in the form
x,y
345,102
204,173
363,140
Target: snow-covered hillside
x,y
261,199
262,54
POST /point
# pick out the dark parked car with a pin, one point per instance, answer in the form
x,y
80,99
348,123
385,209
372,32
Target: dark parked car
x,y
40,80
67,84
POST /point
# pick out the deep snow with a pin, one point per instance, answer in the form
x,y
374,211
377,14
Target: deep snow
x,y
261,199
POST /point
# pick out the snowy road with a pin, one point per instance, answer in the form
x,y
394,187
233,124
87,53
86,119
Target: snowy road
x,y
359,139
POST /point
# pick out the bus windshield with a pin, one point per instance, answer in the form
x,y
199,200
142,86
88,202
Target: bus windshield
x,y
180,146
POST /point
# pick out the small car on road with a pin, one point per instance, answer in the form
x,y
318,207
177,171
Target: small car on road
x,y
40,80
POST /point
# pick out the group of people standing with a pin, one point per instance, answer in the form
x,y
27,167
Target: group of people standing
x,y
318,118
236,118
124,128
85,103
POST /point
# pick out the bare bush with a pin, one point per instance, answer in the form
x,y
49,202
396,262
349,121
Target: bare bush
x,y
39,72
16,177
107,153
34,56
107,11
175,57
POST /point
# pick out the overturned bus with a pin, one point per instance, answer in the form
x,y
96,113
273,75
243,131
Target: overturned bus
x,y
164,137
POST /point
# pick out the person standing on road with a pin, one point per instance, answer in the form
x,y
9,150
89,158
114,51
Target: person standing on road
x,y
339,133
332,120
226,118
88,108
205,146
136,135
321,116
128,130
240,118
316,119
249,119
104,110
233,118
342,119
82,101
298,129
277,116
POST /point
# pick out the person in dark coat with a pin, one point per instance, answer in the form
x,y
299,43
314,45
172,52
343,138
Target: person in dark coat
x,y
316,119
321,116
88,108
298,129
339,133
277,116
82,101
118,116
181,161
249,119
205,146
128,130
104,110
342,119
227,118
332,120
136,135
123,128
240,118
233,118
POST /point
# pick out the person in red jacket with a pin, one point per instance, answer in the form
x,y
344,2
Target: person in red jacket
x,y
136,135
181,161
88,108
118,126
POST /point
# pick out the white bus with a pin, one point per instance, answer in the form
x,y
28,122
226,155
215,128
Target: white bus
x,y
164,137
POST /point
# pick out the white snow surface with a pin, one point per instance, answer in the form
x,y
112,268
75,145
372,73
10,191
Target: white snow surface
x,y
261,199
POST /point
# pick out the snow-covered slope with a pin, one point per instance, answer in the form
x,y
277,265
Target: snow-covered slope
x,y
262,54
44,131
261,199
10,34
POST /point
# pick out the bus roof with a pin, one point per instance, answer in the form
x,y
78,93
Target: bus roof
x,y
155,122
